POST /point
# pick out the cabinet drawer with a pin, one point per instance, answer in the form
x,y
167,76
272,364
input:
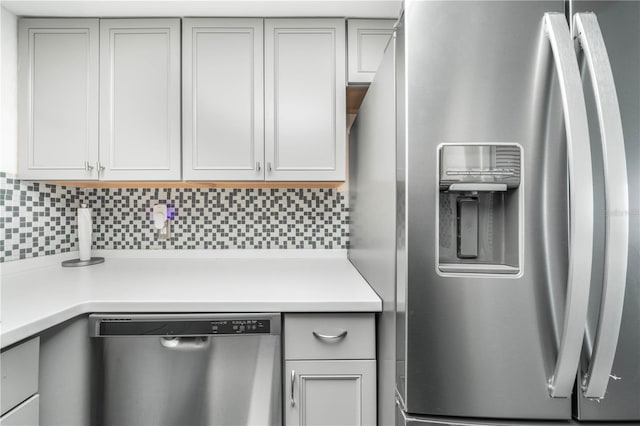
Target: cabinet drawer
x,y
19,374
329,336
26,414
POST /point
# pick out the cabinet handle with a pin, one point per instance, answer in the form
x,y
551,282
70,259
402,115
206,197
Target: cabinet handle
x,y
269,166
88,167
258,167
100,167
330,338
293,380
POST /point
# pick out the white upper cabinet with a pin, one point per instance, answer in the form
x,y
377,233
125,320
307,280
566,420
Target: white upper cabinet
x,y
367,39
140,99
58,98
222,94
305,127
105,99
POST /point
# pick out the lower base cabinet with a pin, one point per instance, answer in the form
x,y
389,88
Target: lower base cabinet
x,y
19,399
333,392
25,414
330,369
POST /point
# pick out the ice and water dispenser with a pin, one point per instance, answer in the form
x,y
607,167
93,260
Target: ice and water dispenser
x,y
479,213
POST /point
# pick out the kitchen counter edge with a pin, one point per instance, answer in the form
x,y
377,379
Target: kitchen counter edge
x,y
27,312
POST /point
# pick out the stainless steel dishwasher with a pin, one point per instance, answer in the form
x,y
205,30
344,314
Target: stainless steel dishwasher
x,y
187,370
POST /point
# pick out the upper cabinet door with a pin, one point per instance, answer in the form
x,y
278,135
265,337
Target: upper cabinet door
x,y
305,127
367,40
58,98
222,92
140,99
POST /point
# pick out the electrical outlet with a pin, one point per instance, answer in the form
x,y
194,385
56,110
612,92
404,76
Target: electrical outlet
x,y
161,221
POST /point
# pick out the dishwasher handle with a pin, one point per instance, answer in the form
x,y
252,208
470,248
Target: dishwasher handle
x,y
185,343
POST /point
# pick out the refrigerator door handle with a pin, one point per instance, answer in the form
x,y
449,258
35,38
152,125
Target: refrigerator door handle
x,y
587,32
581,205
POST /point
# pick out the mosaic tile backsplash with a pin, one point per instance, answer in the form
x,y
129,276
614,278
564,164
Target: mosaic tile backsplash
x,y
36,219
39,219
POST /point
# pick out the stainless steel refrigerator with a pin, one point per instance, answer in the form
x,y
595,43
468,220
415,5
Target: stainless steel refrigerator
x,y
517,253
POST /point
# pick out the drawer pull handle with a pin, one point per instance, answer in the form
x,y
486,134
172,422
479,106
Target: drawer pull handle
x,y
330,338
293,380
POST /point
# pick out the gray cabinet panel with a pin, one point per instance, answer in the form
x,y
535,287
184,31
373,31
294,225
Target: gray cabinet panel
x,y
330,393
58,98
223,122
26,414
367,39
305,120
140,99
19,374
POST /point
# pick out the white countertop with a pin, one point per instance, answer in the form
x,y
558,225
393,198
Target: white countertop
x,y
39,293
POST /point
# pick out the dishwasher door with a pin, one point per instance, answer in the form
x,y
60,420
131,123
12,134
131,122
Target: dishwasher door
x,y
187,370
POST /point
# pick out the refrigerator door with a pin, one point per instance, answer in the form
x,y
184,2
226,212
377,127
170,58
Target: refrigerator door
x,y
483,345
619,23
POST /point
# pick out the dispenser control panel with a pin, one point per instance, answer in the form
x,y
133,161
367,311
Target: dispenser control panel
x,y
480,167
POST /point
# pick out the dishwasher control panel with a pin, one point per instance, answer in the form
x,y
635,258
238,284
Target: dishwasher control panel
x,y
241,326
183,325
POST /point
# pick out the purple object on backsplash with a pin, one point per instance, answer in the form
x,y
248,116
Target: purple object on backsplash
x,y
172,211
